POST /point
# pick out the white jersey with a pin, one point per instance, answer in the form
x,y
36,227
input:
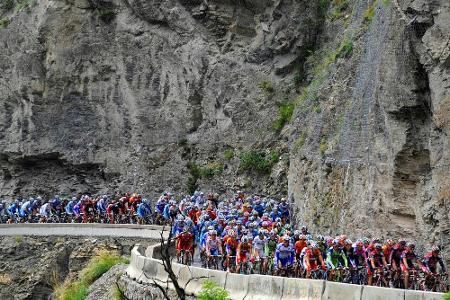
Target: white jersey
x,y
259,243
45,210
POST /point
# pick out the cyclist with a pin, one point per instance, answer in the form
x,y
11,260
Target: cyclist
x,y
231,245
313,255
431,259
284,256
26,209
13,210
396,257
45,211
143,211
299,245
336,258
213,245
376,261
259,242
244,251
185,242
409,258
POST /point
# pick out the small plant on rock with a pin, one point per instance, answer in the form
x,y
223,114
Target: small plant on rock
x,y
228,154
266,86
285,112
369,13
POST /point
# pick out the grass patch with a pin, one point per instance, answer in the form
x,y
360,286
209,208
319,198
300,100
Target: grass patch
x,y
5,22
346,48
369,13
197,172
266,86
212,291
228,154
97,266
18,238
25,4
285,112
299,142
447,296
7,4
323,7
117,293
259,161
386,3
323,147
339,8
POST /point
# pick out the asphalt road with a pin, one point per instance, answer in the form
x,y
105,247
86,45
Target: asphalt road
x,y
110,230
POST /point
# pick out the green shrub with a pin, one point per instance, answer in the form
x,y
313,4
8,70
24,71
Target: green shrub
x,y
447,296
25,4
323,7
211,169
285,112
258,160
266,87
386,2
212,291
7,4
339,9
369,13
323,145
228,154
346,48
106,14
4,22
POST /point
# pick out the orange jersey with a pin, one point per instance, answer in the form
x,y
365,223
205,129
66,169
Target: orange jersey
x,y
299,245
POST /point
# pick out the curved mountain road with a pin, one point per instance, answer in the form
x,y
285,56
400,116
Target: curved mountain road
x,y
69,229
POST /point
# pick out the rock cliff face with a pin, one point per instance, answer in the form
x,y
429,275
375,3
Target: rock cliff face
x,y
100,95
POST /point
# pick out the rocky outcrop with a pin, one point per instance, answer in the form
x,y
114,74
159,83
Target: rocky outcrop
x,y
106,95
30,267
371,159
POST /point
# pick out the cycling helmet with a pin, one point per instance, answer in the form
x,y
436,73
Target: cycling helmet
x,y
213,232
378,246
244,239
296,232
348,242
309,237
265,224
435,249
359,243
302,237
335,242
376,240
402,242
390,242
314,245
365,241
239,222
411,245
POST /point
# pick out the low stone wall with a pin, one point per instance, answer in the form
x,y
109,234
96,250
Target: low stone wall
x,y
144,269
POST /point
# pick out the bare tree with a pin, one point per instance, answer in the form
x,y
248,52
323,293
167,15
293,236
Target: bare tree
x,y
166,258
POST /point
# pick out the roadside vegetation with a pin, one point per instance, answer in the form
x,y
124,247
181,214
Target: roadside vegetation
x,y
212,291
97,266
259,161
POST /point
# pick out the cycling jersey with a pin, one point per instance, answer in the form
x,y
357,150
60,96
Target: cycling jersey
x,y
336,258
410,257
69,207
25,209
45,210
143,210
284,255
430,262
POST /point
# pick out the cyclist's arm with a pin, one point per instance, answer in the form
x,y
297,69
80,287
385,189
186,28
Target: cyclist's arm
x,y
330,261
372,262
405,262
384,261
441,263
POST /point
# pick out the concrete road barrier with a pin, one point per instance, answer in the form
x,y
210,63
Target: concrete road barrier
x,y
134,270
378,293
414,295
341,291
261,287
237,285
302,289
433,296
